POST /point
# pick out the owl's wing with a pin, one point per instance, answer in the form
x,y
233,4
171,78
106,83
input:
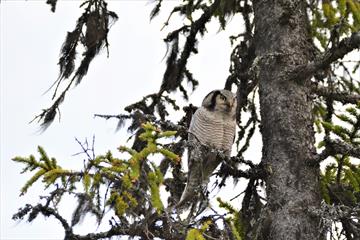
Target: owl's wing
x,y
230,129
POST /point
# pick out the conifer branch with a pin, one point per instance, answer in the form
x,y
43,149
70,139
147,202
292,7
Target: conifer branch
x,y
228,168
336,212
146,229
91,32
340,96
47,211
176,66
341,147
337,52
334,147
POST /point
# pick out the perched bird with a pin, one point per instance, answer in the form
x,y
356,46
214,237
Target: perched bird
x,y
212,127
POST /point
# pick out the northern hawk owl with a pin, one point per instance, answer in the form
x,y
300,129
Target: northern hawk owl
x,y
213,126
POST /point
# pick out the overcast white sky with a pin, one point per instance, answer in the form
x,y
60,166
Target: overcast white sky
x,y
31,37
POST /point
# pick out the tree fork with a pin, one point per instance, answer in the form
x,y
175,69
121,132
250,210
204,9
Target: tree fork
x,y
282,40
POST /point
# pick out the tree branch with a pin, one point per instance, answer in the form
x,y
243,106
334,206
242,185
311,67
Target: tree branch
x,y
331,55
336,147
48,211
146,229
227,168
336,212
345,148
176,67
340,96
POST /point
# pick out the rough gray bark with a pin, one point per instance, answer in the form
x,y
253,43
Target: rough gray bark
x,y
282,44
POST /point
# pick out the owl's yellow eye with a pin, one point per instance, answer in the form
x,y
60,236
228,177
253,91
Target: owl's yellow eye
x,y
222,97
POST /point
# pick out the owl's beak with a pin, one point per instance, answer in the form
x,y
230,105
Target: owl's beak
x,y
232,103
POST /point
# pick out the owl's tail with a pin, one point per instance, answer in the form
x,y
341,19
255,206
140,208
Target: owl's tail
x,y
192,193
188,193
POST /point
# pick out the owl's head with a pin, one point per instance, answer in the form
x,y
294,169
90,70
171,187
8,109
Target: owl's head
x,y
220,100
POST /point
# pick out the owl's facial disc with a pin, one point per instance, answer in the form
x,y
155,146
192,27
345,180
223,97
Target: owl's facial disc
x,y
220,100
223,103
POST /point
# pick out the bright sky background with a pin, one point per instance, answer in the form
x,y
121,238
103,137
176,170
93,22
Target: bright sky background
x,y
31,37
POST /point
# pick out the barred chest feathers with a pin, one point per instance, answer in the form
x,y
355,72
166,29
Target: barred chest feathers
x,y
213,128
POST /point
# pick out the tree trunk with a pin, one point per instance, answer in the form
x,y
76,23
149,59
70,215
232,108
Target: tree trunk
x,y
283,42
